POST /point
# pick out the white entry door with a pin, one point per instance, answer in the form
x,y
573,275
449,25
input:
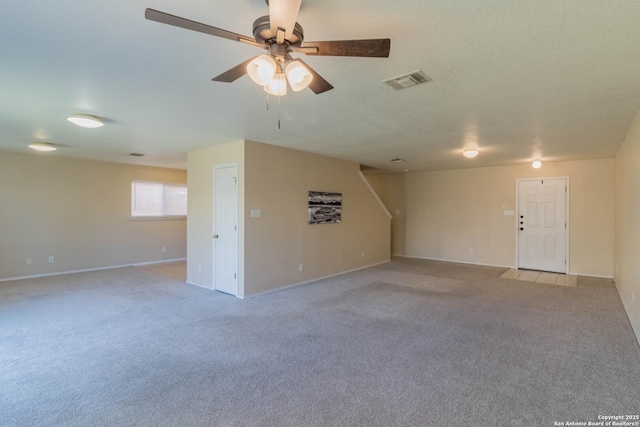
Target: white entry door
x,y
542,224
225,229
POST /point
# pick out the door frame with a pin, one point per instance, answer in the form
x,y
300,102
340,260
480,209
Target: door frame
x,y
566,219
213,224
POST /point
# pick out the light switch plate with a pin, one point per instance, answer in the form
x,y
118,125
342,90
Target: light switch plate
x,y
256,213
509,213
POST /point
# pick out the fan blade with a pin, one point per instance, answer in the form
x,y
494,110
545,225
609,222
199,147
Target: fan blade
x,y
283,14
309,50
373,48
235,73
318,84
176,21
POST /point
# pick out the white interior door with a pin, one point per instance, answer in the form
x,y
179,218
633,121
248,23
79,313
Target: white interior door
x,y
225,229
542,224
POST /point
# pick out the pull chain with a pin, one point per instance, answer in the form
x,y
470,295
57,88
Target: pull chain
x,y
279,112
279,109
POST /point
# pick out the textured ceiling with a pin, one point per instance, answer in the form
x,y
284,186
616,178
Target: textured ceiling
x,y
559,80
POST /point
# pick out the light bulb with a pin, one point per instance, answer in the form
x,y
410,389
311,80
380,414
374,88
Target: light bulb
x,y
298,75
262,69
536,164
277,86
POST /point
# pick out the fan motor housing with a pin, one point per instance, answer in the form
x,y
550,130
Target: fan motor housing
x,y
262,32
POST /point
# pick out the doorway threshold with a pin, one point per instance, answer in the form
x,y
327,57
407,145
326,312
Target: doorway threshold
x,y
541,277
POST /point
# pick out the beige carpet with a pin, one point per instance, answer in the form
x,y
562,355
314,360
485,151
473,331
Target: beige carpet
x,y
173,269
408,343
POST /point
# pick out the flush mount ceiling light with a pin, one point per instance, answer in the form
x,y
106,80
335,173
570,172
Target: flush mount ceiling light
x,y
470,153
42,146
536,164
85,121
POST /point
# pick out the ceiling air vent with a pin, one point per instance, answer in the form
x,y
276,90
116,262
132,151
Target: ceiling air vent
x,y
408,80
136,154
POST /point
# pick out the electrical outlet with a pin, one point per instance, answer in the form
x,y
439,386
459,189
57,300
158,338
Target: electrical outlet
x,y
199,267
470,250
50,260
29,261
616,268
362,254
164,249
633,297
300,267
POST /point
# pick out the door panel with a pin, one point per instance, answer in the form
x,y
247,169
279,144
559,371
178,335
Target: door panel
x,y
225,226
541,224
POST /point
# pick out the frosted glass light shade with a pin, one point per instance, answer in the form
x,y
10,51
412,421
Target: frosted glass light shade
x,y
277,86
470,153
262,69
85,121
298,75
536,164
42,146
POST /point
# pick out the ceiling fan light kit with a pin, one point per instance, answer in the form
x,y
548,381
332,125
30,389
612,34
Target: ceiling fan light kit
x,y
280,35
266,71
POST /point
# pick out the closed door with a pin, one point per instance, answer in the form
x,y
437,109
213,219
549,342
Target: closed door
x,y
542,226
225,229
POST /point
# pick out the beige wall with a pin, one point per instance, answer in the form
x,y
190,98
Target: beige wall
x,y
277,182
627,229
200,166
444,214
79,212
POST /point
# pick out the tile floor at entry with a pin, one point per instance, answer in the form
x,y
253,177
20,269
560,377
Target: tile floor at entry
x,y
541,277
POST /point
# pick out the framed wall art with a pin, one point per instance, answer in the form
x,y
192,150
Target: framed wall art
x,y
325,208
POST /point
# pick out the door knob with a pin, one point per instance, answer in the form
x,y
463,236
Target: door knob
x,y
215,236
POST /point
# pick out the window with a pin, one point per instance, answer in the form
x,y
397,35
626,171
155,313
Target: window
x,y
158,200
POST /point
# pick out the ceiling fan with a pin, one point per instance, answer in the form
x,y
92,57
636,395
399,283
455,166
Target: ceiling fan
x,y
279,34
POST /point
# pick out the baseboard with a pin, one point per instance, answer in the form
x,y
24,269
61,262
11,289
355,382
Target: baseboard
x,y
210,289
590,275
85,270
188,282
159,262
282,288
